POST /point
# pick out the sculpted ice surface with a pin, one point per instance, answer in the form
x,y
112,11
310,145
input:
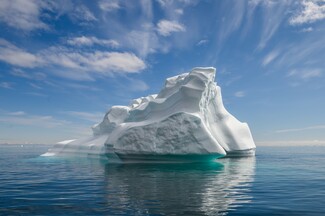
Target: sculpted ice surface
x,y
187,117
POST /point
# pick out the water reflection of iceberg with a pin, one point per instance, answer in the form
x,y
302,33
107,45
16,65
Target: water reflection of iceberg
x,y
179,189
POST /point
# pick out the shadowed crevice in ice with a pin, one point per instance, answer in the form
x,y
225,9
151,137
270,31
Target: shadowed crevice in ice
x,y
187,117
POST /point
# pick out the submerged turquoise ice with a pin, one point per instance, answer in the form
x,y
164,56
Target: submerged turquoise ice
x,y
278,181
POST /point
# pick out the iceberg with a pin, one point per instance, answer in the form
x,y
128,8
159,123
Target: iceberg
x,y
185,121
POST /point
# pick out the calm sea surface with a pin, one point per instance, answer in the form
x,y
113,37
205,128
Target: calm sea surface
x,y
278,181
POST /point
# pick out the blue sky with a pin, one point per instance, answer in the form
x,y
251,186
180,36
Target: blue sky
x,y
64,63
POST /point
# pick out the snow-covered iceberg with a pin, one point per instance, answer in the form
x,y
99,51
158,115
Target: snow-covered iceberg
x,y
185,121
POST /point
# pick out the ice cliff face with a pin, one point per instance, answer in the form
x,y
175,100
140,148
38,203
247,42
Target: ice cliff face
x,y
187,117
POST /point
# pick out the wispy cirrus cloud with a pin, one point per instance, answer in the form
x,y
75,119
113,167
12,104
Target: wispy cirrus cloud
x,y
82,14
202,42
90,41
109,5
6,85
28,75
270,57
286,143
273,17
13,55
309,29
294,54
35,86
240,94
305,74
17,113
167,27
315,127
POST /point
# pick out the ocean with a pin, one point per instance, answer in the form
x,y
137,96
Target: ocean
x,y
277,181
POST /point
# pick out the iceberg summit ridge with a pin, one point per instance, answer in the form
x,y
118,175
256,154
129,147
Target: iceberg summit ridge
x,y
186,118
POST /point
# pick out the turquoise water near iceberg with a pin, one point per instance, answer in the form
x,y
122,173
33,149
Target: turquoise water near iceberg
x,y
278,181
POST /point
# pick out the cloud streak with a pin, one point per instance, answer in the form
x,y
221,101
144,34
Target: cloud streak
x,y
6,85
305,74
13,55
240,94
316,127
167,27
90,41
270,57
109,5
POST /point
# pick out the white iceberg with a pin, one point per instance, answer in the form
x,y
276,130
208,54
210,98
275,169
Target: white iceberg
x,y
185,121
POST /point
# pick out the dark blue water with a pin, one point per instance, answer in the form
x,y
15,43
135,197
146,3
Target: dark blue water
x,y
278,181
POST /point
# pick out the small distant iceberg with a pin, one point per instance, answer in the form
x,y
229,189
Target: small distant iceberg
x,y
185,121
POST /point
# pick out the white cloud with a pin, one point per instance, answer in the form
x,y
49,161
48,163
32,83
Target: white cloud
x,y
113,62
270,57
315,127
22,14
202,42
311,74
35,86
18,113
23,74
309,29
313,10
82,13
305,74
19,73
240,94
166,27
96,61
5,85
18,57
287,143
109,5
165,3
90,41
